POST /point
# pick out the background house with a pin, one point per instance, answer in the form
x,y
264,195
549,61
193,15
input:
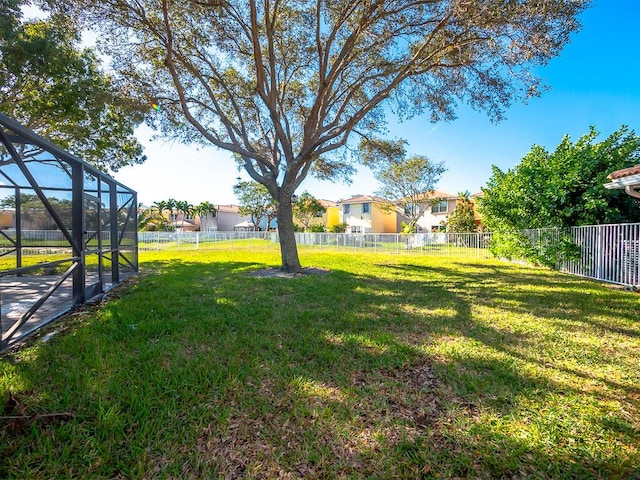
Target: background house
x,y
435,216
627,179
476,199
331,215
328,218
182,222
7,219
362,214
229,217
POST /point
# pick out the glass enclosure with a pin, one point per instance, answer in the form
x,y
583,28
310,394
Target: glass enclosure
x,y
67,232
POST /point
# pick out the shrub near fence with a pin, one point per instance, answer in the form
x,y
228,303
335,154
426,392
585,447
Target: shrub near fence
x,y
609,253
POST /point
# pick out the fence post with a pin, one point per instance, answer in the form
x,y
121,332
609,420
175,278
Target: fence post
x,y
598,253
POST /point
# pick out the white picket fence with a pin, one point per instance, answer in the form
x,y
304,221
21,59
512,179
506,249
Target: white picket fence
x,y
450,244
610,253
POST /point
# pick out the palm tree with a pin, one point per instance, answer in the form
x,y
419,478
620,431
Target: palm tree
x,y
185,208
173,214
145,218
203,210
160,206
155,215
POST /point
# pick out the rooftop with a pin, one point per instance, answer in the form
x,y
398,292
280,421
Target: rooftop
x,y
625,172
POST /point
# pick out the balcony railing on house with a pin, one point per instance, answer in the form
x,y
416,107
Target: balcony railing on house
x,y
68,232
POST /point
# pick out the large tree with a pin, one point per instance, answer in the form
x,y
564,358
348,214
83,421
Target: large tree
x,y
563,188
406,182
56,88
256,202
283,84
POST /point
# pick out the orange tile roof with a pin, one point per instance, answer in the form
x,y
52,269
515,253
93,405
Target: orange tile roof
x,y
625,172
327,203
227,208
362,198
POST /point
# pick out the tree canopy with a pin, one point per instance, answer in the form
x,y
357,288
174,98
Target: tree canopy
x,y
306,207
284,84
56,88
462,219
407,182
564,188
256,202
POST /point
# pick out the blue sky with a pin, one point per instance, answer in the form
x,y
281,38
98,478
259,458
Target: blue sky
x,y
594,81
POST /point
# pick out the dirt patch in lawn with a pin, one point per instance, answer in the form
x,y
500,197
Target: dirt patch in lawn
x,y
278,273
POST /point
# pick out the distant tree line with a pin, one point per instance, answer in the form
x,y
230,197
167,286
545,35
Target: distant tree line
x,y
158,217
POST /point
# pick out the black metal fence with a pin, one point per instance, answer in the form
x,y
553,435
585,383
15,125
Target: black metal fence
x,y
87,232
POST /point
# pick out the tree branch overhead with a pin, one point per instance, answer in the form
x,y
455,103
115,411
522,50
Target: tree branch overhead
x,y
282,83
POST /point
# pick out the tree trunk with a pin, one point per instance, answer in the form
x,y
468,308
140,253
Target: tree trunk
x,y
266,230
288,247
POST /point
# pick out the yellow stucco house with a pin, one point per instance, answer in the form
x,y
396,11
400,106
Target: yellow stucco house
x,y
362,214
331,215
329,218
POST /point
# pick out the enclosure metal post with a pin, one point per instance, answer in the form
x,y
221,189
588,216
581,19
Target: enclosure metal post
x,y
135,230
114,244
77,231
18,229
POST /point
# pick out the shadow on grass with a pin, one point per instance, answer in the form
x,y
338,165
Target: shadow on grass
x,y
202,371
541,292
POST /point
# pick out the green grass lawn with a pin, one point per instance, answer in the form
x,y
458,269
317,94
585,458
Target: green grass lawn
x,y
384,367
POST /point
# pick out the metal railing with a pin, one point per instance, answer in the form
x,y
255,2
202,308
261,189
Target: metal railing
x,y
609,253
449,244
153,241
463,245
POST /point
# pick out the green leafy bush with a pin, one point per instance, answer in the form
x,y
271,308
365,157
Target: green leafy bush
x,y
548,247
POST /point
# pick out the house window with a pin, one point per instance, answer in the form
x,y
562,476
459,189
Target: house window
x,y
440,207
366,208
356,229
346,209
410,209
